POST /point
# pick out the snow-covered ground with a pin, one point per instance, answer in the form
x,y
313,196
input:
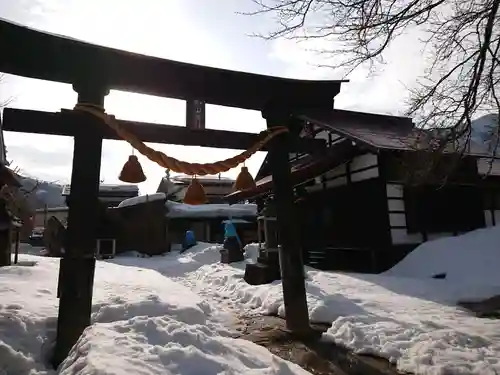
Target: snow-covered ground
x,y
143,323
404,315
166,314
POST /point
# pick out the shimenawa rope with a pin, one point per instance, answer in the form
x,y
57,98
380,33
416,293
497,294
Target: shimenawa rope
x,y
174,164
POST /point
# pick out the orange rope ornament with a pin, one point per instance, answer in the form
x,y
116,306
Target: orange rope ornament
x,y
174,164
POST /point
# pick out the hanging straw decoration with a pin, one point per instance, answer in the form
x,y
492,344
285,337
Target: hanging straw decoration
x,y
244,180
195,193
132,171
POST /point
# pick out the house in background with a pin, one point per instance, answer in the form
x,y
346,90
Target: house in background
x,y
216,187
110,195
151,224
358,206
207,221
42,215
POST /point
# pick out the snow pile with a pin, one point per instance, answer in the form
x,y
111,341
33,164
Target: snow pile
x,y
27,315
146,321
251,252
174,265
413,322
142,322
142,199
181,210
162,345
472,258
26,248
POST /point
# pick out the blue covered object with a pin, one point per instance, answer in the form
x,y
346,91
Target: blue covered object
x,y
189,240
229,229
230,233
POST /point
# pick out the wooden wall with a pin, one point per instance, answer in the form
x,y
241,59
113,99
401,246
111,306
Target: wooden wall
x,y
40,214
142,227
356,213
360,168
492,195
342,214
476,211
397,219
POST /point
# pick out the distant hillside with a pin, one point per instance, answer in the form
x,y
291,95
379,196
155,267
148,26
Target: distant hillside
x,y
484,130
45,193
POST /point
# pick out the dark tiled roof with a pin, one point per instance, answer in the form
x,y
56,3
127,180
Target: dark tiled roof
x,y
378,131
381,131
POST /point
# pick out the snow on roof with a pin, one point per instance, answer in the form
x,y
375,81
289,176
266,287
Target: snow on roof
x,y
181,210
142,199
208,179
105,187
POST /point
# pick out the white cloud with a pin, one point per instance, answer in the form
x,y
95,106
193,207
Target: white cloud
x,y
383,92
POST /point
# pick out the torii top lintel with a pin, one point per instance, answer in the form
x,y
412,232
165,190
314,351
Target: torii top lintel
x,y
35,54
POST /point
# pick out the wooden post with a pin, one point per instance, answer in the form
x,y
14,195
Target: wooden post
x,y
16,253
45,209
195,114
76,274
290,254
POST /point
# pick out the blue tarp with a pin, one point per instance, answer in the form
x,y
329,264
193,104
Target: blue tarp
x,y
230,230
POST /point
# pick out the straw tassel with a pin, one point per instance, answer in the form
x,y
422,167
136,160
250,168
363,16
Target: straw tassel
x,y
244,181
132,171
195,193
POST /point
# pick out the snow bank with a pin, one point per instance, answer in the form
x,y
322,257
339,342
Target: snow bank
x,y
27,315
122,293
177,210
142,322
252,252
28,307
162,345
175,265
142,199
472,258
26,248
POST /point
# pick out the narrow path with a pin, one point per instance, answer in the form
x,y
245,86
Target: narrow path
x,y
312,354
223,311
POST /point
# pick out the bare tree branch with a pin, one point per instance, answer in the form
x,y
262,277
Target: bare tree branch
x,y
462,39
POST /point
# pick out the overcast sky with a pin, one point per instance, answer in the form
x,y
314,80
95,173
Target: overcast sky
x,y
205,32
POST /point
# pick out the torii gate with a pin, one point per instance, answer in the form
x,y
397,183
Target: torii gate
x,y
92,71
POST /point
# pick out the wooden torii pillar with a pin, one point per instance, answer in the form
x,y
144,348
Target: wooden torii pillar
x,y
290,251
77,266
